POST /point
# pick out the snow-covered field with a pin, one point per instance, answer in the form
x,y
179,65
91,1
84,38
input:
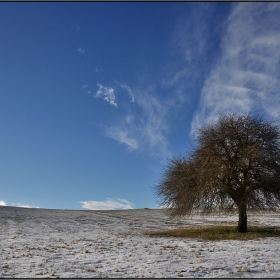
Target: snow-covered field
x,y
70,243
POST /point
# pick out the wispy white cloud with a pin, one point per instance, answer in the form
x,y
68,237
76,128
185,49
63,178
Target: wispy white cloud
x,y
128,89
246,77
145,126
98,70
192,42
24,205
154,118
193,31
107,94
81,51
108,204
147,122
121,134
84,86
2,203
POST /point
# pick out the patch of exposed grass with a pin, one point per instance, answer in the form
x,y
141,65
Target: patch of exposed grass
x,y
216,233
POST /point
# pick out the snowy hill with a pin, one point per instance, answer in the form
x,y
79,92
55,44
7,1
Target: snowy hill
x,y
71,243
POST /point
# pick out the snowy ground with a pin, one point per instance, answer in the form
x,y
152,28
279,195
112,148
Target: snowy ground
x,y
66,243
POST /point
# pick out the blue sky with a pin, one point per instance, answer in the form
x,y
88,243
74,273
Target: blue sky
x,y
95,96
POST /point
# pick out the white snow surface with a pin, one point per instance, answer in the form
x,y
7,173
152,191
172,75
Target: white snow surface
x,y
110,243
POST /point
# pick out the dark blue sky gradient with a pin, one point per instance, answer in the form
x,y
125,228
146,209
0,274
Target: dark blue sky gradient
x,y
159,68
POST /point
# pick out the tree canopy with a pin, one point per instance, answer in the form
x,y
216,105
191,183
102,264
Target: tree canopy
x,y
236,165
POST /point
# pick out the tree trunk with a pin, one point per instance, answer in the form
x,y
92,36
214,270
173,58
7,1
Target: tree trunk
x,y
242,222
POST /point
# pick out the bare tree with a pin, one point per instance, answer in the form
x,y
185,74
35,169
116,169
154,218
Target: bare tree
x,y
236,165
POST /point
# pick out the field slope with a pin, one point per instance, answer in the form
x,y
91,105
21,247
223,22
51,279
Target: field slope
x,y
70,243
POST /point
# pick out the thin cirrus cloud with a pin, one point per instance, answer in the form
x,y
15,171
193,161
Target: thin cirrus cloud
x,y
128,89
145,126
98,70
122,135
144,123
81,51
148,125
193,39
246,77
192,33
108,204
107,94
